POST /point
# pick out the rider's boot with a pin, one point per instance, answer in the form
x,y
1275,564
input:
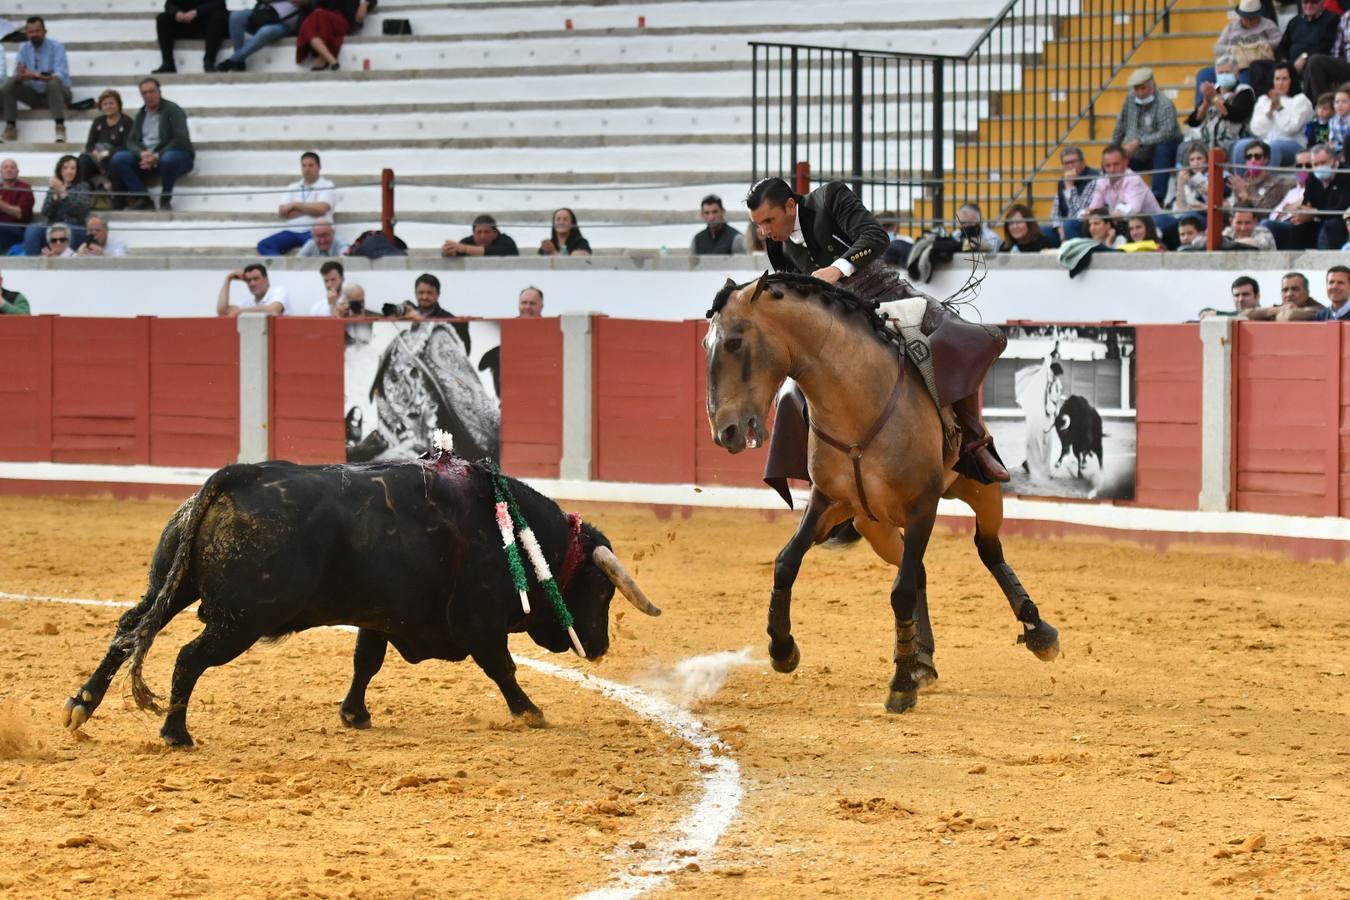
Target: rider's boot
x,y
977,440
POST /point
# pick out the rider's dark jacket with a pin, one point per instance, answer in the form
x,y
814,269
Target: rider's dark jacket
x,y
835,225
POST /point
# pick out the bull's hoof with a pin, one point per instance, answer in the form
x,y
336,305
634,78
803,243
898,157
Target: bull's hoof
x,y
1043,640
177,739
359,719
902,701
75,714
788,663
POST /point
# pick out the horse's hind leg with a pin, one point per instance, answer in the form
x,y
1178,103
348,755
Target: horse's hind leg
x,y
986,500
887,543
783,652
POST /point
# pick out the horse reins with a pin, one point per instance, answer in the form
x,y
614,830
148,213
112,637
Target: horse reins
x,y
855,451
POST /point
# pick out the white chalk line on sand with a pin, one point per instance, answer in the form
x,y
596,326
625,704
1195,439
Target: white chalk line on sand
x,y
697,834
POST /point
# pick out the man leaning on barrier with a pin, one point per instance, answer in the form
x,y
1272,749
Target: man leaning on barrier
x,y
1296,304
1338,296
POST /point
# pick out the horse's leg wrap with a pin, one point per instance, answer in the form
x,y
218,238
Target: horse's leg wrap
x,y
783,652
1018,598
904,691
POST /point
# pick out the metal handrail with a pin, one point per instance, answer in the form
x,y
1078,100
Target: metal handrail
x,y
798,117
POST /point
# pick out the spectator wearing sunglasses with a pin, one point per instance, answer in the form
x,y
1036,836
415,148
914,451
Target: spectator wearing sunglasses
x,y
1257,188
58,241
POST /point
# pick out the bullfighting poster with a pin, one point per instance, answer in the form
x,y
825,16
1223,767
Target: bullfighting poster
x,y
1060,404
405,380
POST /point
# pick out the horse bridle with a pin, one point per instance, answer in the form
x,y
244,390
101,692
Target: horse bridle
x,y
855,451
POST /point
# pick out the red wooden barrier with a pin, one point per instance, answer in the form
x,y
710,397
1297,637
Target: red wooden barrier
x,y
101,391
712,464
194,392
644,400
26,388
531,395
1343,422
1287,450
306,385
1168,370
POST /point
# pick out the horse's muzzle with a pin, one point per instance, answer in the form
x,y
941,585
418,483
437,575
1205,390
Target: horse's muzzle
x,y
737,436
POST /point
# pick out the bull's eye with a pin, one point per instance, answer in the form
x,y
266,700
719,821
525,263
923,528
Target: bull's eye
x,y
732,344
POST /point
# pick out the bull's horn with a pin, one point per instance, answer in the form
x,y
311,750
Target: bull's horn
x,y
610,565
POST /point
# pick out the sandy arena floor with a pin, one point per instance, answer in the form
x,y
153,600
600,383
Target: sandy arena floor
x,y
1192,739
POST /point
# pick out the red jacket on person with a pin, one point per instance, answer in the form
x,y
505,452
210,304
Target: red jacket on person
x,y
19,194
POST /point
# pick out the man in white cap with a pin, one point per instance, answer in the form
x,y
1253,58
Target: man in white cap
x,y
1147,131
1244,35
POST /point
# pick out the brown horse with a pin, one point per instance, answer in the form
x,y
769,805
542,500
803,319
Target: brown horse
x,y
875,453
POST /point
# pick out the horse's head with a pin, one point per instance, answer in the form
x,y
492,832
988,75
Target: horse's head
x,y
747,363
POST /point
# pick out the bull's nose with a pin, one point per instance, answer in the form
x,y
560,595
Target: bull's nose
x,y
727,436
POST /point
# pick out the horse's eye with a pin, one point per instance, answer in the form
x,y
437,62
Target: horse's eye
x,y
732,344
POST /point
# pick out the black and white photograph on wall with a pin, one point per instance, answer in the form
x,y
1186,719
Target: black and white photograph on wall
x,y
403,381
1060,404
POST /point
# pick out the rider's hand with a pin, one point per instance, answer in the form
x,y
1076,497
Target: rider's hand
x,y
829,274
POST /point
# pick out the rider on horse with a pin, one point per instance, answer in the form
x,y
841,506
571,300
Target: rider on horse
x,y
831,236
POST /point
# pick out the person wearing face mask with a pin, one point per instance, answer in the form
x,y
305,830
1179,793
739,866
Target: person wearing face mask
x,y
1221,117
1279,119
1147,131
975,235
1317,222
1257,188
1252,34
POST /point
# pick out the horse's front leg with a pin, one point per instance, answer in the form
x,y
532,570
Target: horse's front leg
x,y
783,652
904,598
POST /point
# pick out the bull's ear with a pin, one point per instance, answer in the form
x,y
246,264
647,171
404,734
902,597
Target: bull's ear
x,y
760,285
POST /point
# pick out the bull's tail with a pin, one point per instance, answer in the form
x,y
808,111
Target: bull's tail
x,y
158,615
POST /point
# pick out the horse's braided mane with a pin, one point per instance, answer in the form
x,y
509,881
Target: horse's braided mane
x,y
827,293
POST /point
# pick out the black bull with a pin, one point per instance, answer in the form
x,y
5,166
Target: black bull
x,y
1079,427
410,553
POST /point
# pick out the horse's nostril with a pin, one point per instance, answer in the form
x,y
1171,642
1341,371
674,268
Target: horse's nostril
x,y
728,435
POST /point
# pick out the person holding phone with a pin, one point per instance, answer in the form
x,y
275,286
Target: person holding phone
x,y
41,80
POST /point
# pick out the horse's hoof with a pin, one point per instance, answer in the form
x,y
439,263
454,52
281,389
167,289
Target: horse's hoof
x,y
902,701
533,718
924,674
789,663
1043,640
354,720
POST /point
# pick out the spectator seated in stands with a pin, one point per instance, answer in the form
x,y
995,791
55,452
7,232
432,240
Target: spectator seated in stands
x,y
199,19
1192,191
1225,108
323,241
1246,296
1074,192
1317,223
1257,188
12,303
308,199
159,144
530,303
41,79
975,236
16,205
1121,192
1338,125
67,203
108,133
333,275
1191,233
718,238
1296,304
486,240
1022,233
1279,120
253,29
323,30
1248,37
1142,235
565,239
1338,296
1325,71
1244,230
263,298
1147,130
96,239
1318,129
1312,31
58,241
1104,229
427,292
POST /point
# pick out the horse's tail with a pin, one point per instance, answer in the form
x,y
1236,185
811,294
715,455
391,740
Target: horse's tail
x,y
160,612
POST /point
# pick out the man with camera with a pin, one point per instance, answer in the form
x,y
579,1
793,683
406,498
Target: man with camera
x,y
341,298
41,79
